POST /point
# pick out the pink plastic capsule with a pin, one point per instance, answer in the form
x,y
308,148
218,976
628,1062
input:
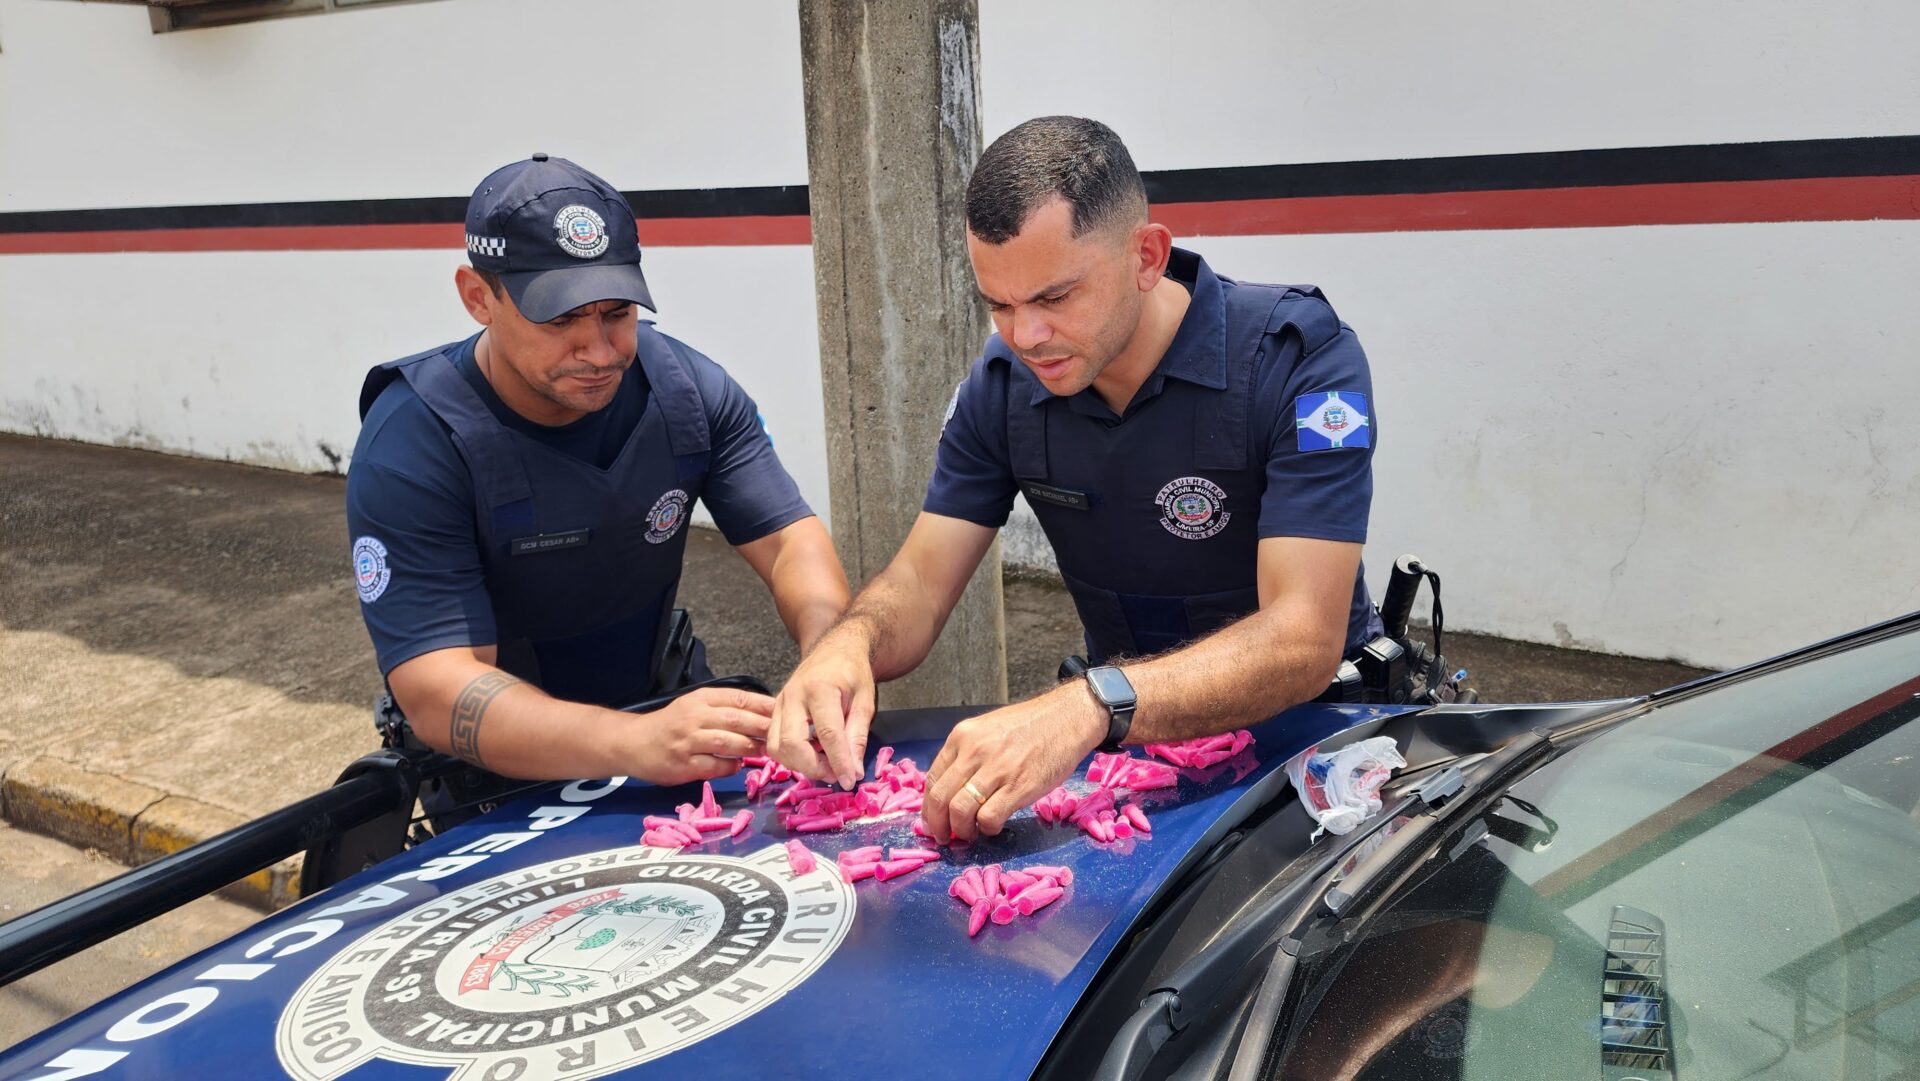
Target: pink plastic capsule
x,y
990,881
967,893
1122,829
1036,899
662,839
977,918
1061,875
723,822
854,872
657,821
687,830
1012,882
801,860
684,810
896,868
815,825
709,807
974,875
1137,817
881,758
741,820
1027,884
863,854
925,855
1004,913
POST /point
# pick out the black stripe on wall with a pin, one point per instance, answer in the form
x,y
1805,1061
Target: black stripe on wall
x,y
1893,155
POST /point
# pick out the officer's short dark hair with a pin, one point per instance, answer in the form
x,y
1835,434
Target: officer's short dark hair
x,y
493,281
1076,159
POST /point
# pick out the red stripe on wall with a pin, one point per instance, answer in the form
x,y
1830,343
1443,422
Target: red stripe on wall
x,y
657,232
1865,198
1868,198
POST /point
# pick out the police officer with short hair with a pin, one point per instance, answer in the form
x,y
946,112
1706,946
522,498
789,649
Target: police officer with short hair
x,y
519,502
1197,450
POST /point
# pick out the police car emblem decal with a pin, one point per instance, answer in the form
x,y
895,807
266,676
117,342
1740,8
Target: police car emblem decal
x,y
1193,508
580,232
578,967
370,573
663,521
1332,420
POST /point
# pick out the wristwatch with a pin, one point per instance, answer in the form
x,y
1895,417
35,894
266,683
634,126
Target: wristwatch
x,y
1112,689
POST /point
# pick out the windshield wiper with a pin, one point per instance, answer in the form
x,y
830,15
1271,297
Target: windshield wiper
x,y
1194,990
1321,917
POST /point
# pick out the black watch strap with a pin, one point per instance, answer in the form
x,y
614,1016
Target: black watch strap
x,y
1112,689
1119,723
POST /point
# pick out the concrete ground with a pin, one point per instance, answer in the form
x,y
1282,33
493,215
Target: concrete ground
x,y
184,651
38,871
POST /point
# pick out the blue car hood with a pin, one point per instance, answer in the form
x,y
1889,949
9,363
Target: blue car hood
x,y
543,940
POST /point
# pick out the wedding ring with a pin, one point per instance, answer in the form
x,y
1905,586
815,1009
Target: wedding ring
x,y
978,796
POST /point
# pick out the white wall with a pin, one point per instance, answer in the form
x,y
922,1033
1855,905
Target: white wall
x,y
1688,441
258,356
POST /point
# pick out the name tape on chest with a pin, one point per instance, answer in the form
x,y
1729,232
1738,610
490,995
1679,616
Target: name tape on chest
x,y
549,542
1059,497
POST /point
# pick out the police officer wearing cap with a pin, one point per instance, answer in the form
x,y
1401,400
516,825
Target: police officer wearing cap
x,y
519,501
1198,451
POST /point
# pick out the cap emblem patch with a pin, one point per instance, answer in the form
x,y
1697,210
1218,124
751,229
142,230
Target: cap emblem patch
x,y
580,232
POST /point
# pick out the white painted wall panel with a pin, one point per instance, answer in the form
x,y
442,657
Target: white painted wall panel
x,y
1255,82
393,101
258,356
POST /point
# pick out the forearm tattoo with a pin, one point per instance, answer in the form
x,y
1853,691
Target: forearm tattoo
x,y
471,708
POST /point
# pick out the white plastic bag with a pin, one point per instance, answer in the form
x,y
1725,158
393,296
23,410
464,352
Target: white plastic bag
x,y
1342,789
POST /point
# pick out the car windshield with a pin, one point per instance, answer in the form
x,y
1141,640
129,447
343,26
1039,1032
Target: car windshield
x,y
1727,886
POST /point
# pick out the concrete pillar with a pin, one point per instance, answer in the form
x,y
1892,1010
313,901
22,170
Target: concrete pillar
x,y
893,130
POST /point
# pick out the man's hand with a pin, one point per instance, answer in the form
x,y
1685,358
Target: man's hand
x,y
1010,758
832,689
701,735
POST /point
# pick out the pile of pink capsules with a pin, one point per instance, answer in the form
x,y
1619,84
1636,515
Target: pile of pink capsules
x,y
1203,752
883,862
694,823
995,893
1100,813
811,807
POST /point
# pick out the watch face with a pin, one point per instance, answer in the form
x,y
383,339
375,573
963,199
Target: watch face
x,y
1111,687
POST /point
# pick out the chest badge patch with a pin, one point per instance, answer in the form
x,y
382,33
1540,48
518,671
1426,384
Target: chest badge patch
x,y
1192,508
370,573
668,514
579,967
1332,420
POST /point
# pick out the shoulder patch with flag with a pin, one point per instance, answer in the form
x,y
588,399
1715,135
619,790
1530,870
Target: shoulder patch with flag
x,y
1332,420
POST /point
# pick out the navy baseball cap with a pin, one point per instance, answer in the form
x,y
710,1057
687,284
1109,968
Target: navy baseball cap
x,y
558,236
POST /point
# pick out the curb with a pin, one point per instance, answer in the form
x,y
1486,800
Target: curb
x,y
129,822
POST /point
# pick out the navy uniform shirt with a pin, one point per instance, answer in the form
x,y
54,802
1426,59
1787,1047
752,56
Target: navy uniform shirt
x,y
409,487
1311,489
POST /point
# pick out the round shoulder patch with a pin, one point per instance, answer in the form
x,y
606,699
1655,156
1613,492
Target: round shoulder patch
x,y
370,573
577,968
953,404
